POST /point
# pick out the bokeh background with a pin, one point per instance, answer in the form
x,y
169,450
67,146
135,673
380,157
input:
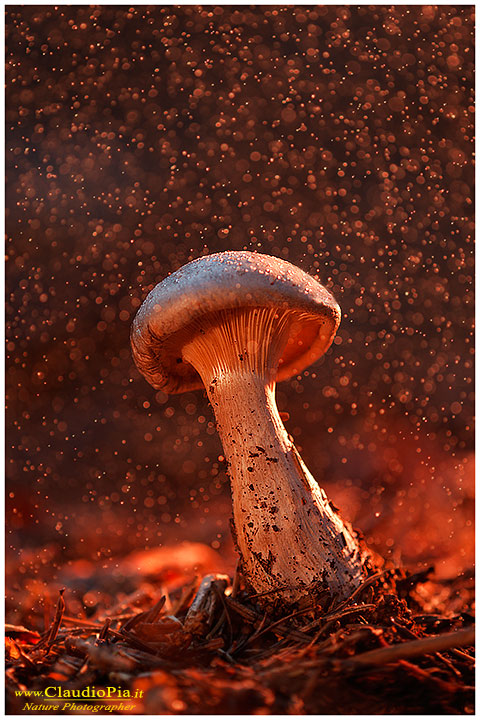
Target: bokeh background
x,y
336,137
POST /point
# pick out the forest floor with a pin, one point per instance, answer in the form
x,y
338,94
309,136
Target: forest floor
x,y
401,644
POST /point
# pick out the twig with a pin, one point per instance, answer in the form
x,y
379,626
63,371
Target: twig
x,y
148,616
368,581
187,594
422,674
57,621
254,635
272,650
67,620
225,613
236,580
336,640
218,625
318,634
449,664
414,648
151,616
104,631
252,617
463,655
405,631
225,656
131,639
337,615
103,658
247,614
26,660
278,624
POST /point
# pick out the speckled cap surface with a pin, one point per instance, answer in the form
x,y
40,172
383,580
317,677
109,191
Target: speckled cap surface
x,y
232,280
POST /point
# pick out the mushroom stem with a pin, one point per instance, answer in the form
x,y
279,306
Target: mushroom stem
x,y
288,536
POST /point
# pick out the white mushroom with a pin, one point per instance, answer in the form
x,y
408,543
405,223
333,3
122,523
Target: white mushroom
x,y
236,322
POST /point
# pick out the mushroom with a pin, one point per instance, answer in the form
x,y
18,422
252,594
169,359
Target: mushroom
x,y
235,323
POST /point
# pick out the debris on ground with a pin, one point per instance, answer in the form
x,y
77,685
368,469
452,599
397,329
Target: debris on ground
x,y
208,646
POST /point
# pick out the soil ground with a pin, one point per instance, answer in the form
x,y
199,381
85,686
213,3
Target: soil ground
x,y
402,644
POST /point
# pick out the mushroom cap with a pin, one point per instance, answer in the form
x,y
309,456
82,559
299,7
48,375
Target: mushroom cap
x,y
229,281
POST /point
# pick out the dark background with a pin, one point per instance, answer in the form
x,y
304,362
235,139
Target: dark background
x,y
337,137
